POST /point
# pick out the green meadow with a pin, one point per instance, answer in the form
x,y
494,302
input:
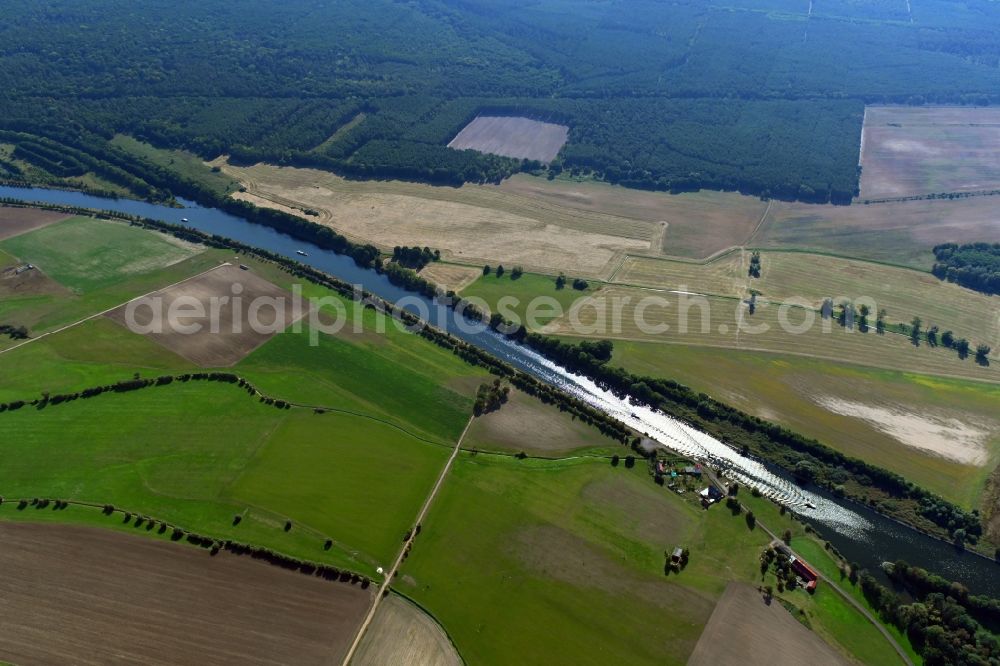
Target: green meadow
x,y
566,562
529,286
85,254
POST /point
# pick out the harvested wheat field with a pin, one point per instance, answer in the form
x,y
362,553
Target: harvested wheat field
x,y
84,595
451,276
545,226
403,634
628,313
745,630
16,221
901,232
907,150
221,316
696,224
472,224
512,136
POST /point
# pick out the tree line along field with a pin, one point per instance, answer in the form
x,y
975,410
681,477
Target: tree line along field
x,y
335,86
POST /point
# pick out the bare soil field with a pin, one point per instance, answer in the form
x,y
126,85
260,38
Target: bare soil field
x,y
18,281
901,232
401,633
907,151
16,221
745,630
512,136
85,595
250,310
451,276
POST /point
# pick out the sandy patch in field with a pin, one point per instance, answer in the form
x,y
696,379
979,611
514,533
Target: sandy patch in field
x,y
744,630
527,424
84,595
920,150
249,310
552,552
940,435
512,136
451,276
464,232
401,633
16,221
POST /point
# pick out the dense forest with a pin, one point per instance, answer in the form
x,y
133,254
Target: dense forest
x,y
762,96
976,265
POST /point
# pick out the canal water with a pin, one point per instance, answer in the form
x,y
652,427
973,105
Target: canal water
x,y
861,534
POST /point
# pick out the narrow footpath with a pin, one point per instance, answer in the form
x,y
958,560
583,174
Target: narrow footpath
x,y
391,573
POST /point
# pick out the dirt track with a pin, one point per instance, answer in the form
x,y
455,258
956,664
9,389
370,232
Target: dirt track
x,y
15,221
744,630
84,595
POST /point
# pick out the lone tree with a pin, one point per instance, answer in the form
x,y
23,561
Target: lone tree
x,y
516,272
500,270
787,537
962,347
751,520
880,322
486,269
915,325
948,339
982,352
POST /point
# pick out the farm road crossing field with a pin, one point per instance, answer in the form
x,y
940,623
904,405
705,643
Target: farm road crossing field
x,y
241,325
921,150
155,602
512,137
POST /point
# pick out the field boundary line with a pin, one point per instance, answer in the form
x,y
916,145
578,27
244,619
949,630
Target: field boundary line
x,y
407,544
114,307
760,223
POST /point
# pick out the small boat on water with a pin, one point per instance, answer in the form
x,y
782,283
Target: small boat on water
x,y
300,252
184,219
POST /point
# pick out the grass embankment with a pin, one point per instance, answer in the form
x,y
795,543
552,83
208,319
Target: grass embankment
x,y
914,410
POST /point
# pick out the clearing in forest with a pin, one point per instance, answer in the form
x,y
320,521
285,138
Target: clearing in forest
x,y
512,136
908,151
